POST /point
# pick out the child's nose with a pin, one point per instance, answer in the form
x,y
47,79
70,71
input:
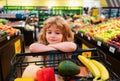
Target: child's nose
x,y
53,34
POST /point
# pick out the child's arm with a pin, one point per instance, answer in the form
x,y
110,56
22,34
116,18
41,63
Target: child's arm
x,y
37,47
64,46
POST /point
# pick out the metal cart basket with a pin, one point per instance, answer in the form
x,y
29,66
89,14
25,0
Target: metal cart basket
x,y
19,64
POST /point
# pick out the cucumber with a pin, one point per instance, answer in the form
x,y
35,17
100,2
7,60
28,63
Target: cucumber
x,y
68,68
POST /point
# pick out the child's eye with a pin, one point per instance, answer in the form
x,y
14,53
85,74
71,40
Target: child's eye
x,y
58,33
49,32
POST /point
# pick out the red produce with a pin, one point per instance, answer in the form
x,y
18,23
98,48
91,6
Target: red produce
x,y
45,74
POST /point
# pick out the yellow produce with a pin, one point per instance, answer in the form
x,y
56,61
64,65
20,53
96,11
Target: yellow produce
x,y
104,72
92,67
24,79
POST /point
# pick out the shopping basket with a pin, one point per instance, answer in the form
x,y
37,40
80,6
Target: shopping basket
x,y
19,64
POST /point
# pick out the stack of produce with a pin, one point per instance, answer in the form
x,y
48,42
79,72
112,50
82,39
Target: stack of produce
x,y
103,31
115,41
8,29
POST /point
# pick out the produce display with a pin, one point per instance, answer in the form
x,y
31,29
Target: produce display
x,y
115,41
107,32
86,21
8,29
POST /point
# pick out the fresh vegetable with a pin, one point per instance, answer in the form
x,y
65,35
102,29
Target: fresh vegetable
x,y
30,71
24,79
45,74
67,67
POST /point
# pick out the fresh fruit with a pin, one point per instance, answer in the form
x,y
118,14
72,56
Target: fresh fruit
x,y
104,31
92,67
115,41
67,67
103,71
10,30
45,74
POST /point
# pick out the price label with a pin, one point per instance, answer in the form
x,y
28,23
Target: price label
x,y
17,45
76,32
99,43
112,49
88,38
8,37
81,34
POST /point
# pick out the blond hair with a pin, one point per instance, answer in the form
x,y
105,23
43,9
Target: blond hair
x,y
61,23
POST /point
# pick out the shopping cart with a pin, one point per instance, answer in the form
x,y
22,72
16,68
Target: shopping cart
x,y
19,64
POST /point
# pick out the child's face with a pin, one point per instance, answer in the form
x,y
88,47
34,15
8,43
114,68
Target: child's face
x,y
54,35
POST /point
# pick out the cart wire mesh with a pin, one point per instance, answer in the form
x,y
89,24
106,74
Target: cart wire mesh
x,y
19,64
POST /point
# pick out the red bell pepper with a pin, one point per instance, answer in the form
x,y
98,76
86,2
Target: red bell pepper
x,y
45,74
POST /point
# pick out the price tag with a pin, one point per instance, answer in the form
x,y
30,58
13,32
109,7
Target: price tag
x,y
112,49
99,43
76,32
8,37
17,46
88,38
81,34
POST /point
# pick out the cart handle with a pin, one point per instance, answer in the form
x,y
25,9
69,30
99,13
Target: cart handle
x,y
79,50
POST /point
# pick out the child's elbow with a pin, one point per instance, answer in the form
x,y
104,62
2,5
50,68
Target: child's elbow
x,y
32,48
73,47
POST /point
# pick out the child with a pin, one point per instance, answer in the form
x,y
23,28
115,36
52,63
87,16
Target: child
x,y
55,35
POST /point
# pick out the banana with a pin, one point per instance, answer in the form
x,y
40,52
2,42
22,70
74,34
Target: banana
x,y
104,72
95,71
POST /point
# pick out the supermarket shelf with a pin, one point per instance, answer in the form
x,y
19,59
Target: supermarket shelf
x,y
111,52
8,48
